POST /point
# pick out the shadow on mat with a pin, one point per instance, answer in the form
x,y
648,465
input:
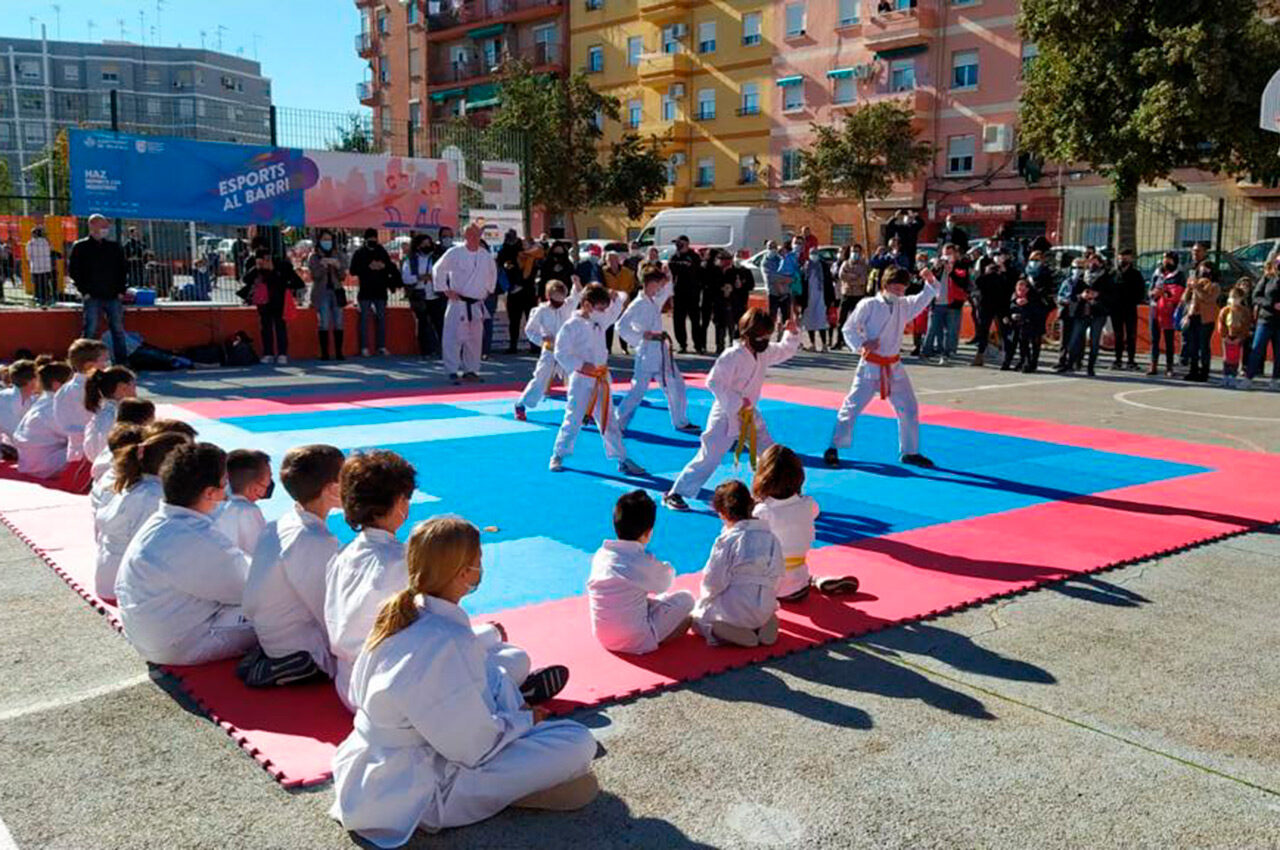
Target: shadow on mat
x,y
955,650
762,686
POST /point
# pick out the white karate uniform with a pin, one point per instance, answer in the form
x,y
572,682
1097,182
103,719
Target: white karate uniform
x,y
737,374
882,320
579,342
180,588
42,449
624,616
740,580
70,416
284,597
99,428
116,525
365,574
103,462
791,521
241,522
546,321
12,408
441,737
101,494
653,360
471,274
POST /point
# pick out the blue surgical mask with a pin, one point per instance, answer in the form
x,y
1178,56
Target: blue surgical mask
x,y
475,585
326,244
1033,266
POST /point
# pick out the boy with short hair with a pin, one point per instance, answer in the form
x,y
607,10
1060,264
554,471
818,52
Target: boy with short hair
x,y
544,323
42,450
69,412
15,400
641,328
284,597
625,617
240,519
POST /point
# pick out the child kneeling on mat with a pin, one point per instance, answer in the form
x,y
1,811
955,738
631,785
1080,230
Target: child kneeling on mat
x,y
442,737
249,476
284,598
624,616
740,581
790,516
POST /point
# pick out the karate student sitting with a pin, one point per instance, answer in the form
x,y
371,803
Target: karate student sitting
x,y
584,357
42,448
284,598
104,389
625,617
181,582
875,328
442,738
15,400
104,489
128,411
641,328
735,382
240,519
138,494
544,323
70,413
740,581
790,517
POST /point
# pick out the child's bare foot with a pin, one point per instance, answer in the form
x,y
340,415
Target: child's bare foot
x,y
736,635
678,631
768,633
565,797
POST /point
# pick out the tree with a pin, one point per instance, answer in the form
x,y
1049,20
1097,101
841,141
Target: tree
x,y
354,137
1139,89
8,204
55,157
876,147
635,176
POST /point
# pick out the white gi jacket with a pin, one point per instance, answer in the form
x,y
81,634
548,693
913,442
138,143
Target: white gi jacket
x,y
471,274
885,320
791,521
117,523
181,582
241,522
581,340
98,429
12,409
739,374
284,597
623,575
42,449
644,315
70,416
740,580
367,572
546,321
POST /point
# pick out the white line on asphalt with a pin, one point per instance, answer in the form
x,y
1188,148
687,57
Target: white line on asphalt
x,y
981,387
1123,398
92,693
6,840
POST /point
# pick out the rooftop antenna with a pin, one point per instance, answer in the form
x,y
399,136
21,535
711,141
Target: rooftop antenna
x,y
90,25
57,19
255,46
142,26
120,21
31,21
159,26
203,33
220,29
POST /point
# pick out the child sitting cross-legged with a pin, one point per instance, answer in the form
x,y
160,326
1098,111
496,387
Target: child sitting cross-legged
x,y
42,449
740,582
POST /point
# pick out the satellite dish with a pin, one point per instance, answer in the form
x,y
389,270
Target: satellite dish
x,y
1269,116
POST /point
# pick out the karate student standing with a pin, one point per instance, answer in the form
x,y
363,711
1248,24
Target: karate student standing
x,y
544,323
103,391
875,328
641,328
181,582
735,383
442,738
584,357
466,274
42,448
240,519
69,411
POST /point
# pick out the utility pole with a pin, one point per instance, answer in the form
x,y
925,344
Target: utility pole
x,y
57,19
203,33
90,25
120,21
159,28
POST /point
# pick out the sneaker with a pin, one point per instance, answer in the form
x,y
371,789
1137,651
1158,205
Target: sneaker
x,y
837,585
628,466
942,361
556,465
541,685
267,360
472,378
917,460
383,352
690,428
1244,384
675,502
281,360
831,457
520,417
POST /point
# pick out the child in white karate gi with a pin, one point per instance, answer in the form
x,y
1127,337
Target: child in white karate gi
x,y
740,581
544,323
875,328
735,382
584,357
138,495
15,400
126,433
129,411
42,448
442,738
466,274
626,615
240,519
641,327
284,598
104,389
181,582
790,516
69,411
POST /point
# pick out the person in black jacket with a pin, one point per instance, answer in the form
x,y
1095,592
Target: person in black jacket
x,y
905,227
1130,291
685,266
714,304
265,284
1092,295
738,284
372,266
994,286
96,266
1025,328
556,265
520,297
955,234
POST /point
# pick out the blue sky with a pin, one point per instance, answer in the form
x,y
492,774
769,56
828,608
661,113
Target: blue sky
x,y
306,47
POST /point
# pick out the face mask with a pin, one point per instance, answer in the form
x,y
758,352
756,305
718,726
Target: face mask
x,y
326,245
271,488
475,585
759,344
856,255
1168,267
556,305
1033,266
890,297
446,241
594,259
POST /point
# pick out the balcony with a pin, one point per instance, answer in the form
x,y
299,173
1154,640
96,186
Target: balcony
x,y
663,12
920,99
454,14
747,111
365,45
895,30
662,69
670,131
367,93
537,56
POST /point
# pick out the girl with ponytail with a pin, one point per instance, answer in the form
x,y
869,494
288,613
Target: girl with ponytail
x,y
442,736
104,487
103,390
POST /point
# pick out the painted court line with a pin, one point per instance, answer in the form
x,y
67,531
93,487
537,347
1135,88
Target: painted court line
x,y
82,696
982,387
6,840
1123,398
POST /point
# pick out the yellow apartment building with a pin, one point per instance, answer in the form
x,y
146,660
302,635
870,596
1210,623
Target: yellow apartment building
x,y
696,73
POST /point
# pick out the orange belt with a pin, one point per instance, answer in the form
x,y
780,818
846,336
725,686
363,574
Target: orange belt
x,y
600,391
886,369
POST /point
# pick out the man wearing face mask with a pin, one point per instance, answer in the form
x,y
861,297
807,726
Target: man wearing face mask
x,y
955,234
372,266
555,266
1068,310
905,227
97,269
1130,291
685,266
875,329
465,275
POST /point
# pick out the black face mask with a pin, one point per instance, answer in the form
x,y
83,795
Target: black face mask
x,y
759,344
271,488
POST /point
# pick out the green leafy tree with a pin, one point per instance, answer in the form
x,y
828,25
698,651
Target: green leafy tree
x,y
877,146
1137,89
53,163
354,137
8,204
635,175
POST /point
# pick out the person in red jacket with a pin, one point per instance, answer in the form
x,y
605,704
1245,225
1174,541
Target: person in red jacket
x,y
1167,287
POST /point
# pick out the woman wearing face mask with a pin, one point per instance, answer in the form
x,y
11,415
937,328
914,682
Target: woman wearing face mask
x,y
415,271
328,266
555,266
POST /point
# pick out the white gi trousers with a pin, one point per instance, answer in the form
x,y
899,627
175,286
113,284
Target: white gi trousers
x,y
866,386
673,387
717,441
463,336
543,373
578,405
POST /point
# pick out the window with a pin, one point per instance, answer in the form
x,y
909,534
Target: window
x,y
1187,232
635,47
33,133
182,80
201,108
960,154
594,5
228,82
4,135
1093,231
635,112
71,73
842,234
670,41
964,69
595,59
795,20
849,12
415,115
706,104
382,23
903,5
415,61
750,99
153,76
793,96
384,71
386,122
1029,53
28,69
457,57
963,2
492,48
411,13
747,169
185,109
199,78
706,172
30,101
844,88
153,106
110,74
593,232
790,165
707,37
751,26
668,107
902,75
674,164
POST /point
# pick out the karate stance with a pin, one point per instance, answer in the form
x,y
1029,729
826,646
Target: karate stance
x,y
466,274
875,328
735,382
544,323
641,328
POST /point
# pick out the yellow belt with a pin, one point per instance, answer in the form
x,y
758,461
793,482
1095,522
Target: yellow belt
x,y
746,436
548,346
794,563
551,379
600,391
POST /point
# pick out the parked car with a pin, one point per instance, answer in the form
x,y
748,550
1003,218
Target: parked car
x,y
1230,267
606,245
1255,254
741,230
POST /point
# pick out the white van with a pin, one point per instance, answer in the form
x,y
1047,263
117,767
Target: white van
x,y
742,230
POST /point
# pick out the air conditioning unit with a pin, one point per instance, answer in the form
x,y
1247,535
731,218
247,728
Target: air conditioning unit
x,y
997,138
679,30
676,91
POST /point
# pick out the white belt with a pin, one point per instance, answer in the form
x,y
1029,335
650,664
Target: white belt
x,y
385,736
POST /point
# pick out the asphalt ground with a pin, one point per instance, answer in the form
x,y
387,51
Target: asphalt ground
x,y
1133,708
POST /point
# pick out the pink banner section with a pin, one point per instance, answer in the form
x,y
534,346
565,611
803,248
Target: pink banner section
x,y
392,193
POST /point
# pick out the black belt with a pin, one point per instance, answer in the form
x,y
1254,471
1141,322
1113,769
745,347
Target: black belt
x,y
469,302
